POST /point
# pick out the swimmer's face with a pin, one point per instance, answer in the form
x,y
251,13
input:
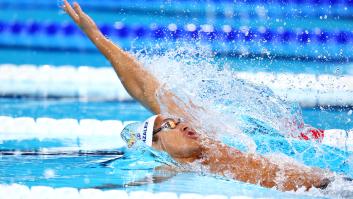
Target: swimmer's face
x,y
180,141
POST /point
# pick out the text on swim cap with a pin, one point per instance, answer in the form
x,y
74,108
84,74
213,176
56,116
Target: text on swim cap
x,y
144,134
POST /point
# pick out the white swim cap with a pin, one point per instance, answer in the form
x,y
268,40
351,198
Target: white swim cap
x,y
139,131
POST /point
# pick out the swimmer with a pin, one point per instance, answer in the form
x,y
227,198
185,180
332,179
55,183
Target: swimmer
x,y
178,138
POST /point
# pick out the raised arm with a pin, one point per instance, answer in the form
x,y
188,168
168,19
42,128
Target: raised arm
x,y
139,83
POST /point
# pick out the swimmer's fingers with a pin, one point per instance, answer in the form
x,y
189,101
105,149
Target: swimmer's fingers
x,y
78,10
81,19
86,23
71,12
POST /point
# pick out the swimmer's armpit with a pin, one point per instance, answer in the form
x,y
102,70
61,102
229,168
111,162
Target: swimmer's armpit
x,y
324,183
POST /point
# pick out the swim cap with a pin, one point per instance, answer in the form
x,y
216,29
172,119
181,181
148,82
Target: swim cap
x,y
139,131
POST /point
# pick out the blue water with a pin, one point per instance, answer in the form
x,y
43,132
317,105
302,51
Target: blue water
x,y
85,172
66,108
96,171
323,118
51,45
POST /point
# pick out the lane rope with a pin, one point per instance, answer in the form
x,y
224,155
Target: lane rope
x,y
90,83
60,134
15,191
172,31
97,134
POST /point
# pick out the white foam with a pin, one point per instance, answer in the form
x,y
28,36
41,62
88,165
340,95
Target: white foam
x,y
339,138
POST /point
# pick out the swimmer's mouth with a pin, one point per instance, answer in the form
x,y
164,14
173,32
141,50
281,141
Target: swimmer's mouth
x,y
192,134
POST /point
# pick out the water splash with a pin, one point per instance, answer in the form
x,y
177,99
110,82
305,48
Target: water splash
x,y
221,105
195,76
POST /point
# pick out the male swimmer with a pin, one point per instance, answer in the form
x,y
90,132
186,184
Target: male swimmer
x,y
179,139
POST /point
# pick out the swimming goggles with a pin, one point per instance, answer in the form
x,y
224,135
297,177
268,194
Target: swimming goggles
x,y
168,123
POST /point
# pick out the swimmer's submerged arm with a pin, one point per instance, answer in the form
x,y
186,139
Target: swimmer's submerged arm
x,y
257,169
138,82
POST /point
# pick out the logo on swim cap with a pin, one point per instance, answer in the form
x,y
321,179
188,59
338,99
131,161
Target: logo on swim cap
x,y
139,131
131,141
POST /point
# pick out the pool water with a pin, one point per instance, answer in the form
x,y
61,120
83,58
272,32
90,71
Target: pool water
x,y
26,163
324,118
311,37
86,172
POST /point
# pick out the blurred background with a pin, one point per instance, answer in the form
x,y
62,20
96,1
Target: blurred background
x,y
288,35
312,37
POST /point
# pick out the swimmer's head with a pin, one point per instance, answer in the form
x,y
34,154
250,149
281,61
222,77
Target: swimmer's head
x,y
172,135
139,131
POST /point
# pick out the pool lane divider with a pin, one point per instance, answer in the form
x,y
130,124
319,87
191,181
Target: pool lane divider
x,y
26,133
64,81
62,135
172,31
92,83
16,191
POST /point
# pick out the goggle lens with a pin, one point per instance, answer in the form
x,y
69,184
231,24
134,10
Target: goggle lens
x,y
168,124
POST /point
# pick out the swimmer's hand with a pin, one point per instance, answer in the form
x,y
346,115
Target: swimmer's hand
x,y
85,22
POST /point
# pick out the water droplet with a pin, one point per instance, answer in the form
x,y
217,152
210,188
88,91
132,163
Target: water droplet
x,y
86,180
49,173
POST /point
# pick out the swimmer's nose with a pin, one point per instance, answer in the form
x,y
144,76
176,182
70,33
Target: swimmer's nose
x,y
184,128
188,131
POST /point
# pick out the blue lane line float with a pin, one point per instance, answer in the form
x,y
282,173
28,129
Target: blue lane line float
x,y
189,31
281,2
16,27
69,29
33,28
